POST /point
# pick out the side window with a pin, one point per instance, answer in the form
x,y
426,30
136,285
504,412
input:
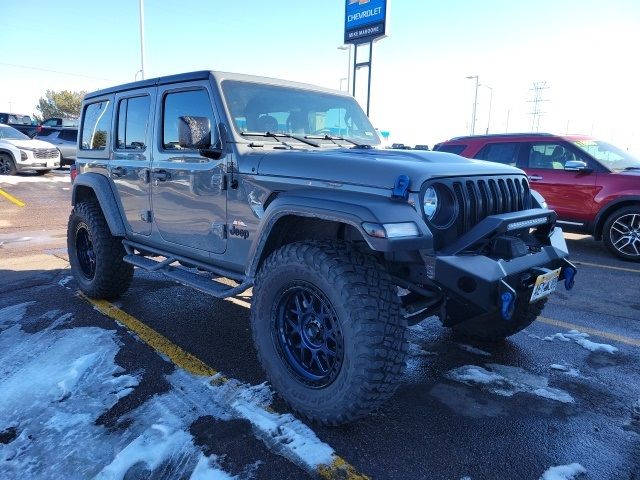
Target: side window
x,y
69,135
190,103
95,126
457,149
550,156
50,123
505,153
133,116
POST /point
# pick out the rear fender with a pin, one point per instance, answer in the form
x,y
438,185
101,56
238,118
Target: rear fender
x,y
100,186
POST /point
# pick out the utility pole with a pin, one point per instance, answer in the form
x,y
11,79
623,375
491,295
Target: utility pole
x,y
475,104
538,88
142,38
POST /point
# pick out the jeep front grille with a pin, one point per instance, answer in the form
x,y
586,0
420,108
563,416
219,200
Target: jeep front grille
x,y
45,153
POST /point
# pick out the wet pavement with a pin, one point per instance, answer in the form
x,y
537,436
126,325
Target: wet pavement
x,y
561,392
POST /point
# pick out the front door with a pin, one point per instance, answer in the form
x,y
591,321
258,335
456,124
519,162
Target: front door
x,y
571,194
131,160
188,192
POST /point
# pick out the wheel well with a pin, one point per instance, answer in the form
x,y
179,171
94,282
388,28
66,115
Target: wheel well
x,y
293,228
82,193
607,212
8,154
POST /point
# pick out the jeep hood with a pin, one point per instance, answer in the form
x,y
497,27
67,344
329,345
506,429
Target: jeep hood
x,y
374,168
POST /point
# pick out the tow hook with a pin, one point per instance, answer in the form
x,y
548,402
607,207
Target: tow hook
x,y
569,275
507,300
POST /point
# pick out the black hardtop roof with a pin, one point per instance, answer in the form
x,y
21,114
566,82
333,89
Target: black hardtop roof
x,y
494,135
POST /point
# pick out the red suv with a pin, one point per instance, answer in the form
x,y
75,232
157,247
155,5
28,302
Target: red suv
x,y
592,185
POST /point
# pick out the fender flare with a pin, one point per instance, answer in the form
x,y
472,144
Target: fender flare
x,y
342,207
607,209
101,187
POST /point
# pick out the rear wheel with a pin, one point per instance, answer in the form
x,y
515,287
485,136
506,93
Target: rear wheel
x,y
493,327
326,324
95,255
7,166
621,233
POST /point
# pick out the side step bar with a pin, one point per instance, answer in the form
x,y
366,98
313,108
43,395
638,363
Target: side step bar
x,y
181,275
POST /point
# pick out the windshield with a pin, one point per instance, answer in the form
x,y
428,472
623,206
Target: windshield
x,y
10,133
608,155
261,108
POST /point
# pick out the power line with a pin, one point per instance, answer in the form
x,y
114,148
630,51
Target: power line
x,y
537,90
59,72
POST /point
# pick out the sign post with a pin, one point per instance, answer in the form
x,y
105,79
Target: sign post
x,y
365,22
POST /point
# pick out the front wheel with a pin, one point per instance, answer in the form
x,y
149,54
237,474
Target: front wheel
x,y
491,326
621,233
327,327
7,166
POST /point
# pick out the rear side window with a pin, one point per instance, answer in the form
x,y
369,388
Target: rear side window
x,y
95,126
133,117
190,103
52,122
457,149
505,153
69,135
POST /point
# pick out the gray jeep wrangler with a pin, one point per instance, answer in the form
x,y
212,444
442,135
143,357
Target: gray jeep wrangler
x,y
227,182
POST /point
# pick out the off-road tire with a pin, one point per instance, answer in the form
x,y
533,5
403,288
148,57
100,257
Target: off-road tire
x,y
607,233
7,165
112,276
368,311
492,327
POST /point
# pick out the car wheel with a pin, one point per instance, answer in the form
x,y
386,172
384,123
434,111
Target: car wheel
x,y
327,327
7,166
492,327
95,255
621,233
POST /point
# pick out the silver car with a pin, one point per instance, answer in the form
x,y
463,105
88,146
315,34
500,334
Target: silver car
x,y
65,140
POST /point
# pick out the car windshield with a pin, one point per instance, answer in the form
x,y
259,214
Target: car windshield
x,y
261,108
609,155
10,133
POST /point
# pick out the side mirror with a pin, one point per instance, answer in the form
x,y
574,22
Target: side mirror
x,y
194,133
577,166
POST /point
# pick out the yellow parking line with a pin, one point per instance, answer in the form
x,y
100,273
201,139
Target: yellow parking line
x,y
338,469
11,198
598,265
591,331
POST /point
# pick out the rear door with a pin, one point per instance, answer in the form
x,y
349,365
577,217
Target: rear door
x,y
188,191
130,163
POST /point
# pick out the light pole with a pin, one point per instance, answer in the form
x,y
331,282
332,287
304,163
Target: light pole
x,y
490,102
347,47
475,104
142,38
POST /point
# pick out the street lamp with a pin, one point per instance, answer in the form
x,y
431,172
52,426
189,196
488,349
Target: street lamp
x,y
475,104
490,102
347,47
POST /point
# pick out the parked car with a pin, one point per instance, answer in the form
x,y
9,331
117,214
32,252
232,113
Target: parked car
x,y
65,140
343,244
59,122
421,147
19,153
22,123
592,185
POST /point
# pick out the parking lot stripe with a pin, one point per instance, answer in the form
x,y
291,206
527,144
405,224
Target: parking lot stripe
x,y
598,265
11,198
338,469
591,331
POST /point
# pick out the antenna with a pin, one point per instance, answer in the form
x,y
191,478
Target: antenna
x,y
538,88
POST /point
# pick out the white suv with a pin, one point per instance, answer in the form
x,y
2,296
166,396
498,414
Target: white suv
x,y
18,152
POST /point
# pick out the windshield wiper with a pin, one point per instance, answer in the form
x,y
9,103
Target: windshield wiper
x,y
333,139
277,136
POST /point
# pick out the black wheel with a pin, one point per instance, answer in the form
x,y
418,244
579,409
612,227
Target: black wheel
x,y
42,172
7,166
621,233
96,255
327,327
491,326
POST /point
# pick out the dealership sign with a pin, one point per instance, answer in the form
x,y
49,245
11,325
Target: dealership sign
x,y
365,20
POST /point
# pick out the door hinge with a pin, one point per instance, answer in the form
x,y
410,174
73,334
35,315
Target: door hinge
x,y
146,216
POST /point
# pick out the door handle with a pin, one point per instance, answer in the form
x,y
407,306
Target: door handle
x,y
161,175
534,178
118,172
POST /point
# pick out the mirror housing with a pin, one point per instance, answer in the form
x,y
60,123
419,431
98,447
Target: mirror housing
x,y
194,133
577,166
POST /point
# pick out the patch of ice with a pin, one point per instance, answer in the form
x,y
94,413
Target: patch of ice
x,y
471,349
63,282
507,381
564,472
581,339
207,469
14,313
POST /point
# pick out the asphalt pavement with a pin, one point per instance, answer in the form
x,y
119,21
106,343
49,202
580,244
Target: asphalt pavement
x,y
559,393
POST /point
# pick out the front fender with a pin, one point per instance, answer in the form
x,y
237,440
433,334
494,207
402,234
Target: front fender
x,y
101,187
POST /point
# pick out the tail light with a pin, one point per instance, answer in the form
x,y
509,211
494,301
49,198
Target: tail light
x,y
73,172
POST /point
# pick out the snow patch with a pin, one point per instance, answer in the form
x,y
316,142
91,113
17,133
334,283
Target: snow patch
x,y
16,179
471,349
64,281
581,339
572,372
14,313
564,472
207,469
507,381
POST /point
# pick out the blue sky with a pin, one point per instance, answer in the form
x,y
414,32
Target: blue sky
x,y
585,50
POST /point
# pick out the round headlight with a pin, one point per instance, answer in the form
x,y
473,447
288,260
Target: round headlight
x,y
430,202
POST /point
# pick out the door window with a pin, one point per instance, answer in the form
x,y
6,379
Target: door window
x,y
189,103
550,156
505,153
96,126
69,135
133,117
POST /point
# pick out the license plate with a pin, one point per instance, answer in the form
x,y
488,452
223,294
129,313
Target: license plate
x,y
545,285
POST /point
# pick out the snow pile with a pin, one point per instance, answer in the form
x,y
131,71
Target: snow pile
x,y
581,339
564,472
507,381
